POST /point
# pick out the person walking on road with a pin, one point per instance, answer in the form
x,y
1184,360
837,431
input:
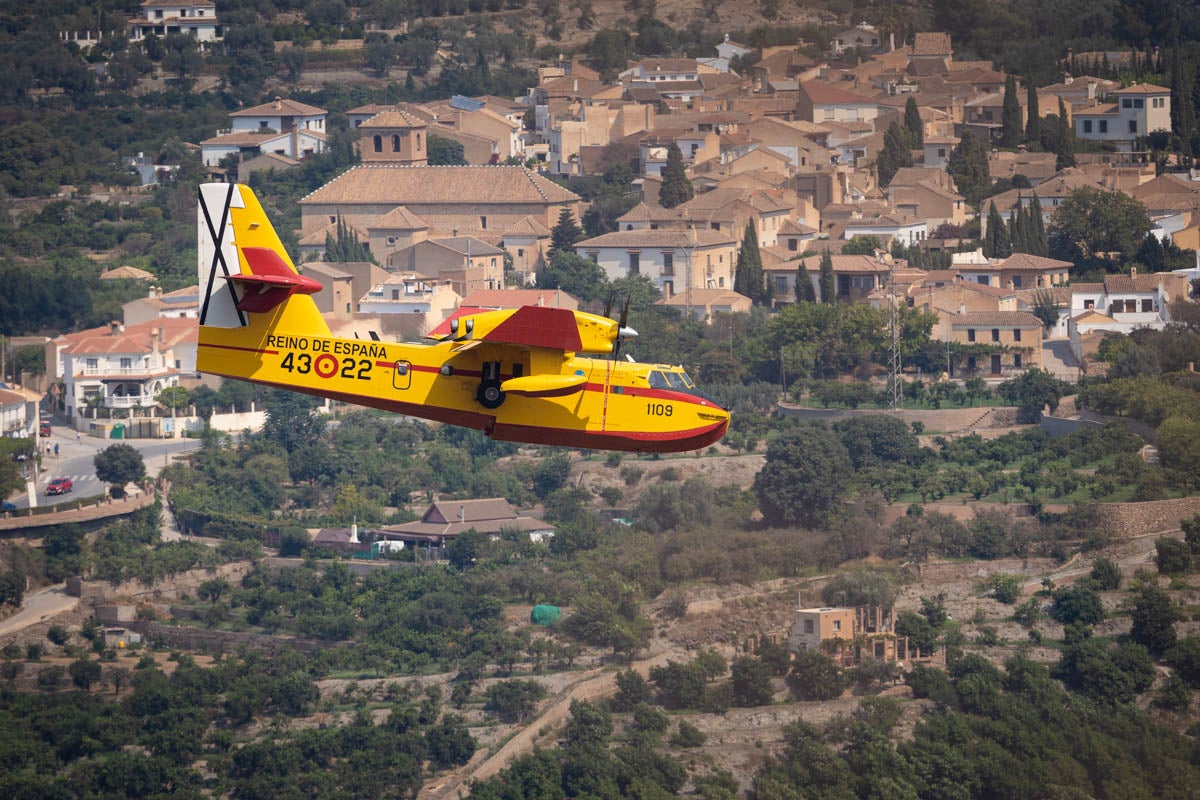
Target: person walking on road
x,y
56,449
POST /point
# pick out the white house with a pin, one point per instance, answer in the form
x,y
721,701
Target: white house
x,y
1122,304
18,413
409,293
1139,109
197,19
899,227
125,366
729,49
672,259
283,127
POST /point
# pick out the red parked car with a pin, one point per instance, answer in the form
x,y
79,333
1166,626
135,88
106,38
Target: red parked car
x,y
59,486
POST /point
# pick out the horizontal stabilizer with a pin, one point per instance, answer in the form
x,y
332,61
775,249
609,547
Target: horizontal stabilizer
x,y
271,281
544,385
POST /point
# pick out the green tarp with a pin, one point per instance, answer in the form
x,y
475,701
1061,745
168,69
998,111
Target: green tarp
x,y
545,615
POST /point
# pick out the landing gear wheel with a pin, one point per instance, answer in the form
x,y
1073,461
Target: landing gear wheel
x,y
489,394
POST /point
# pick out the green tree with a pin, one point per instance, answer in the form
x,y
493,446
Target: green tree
x,y
577,276
450,742
566,232
861,246
914,128
815,677
1094,224
804,478
1106,574
1033,118
748,280
968,166
922,636
751,682
84,673
1077,604
1153,616
292,419
896,153
1046,307
1010,115
514,700
996,243
440,151
118,465
676,187
806,292
345,246
1171,556
1031,392
1007,588
825,279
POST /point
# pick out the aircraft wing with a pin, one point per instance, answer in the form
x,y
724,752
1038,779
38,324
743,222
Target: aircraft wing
x,y
533,326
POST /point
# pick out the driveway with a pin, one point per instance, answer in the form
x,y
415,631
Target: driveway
x,y
1059,361
47,602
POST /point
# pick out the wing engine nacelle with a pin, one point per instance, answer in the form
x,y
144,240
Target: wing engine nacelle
x,y
537,326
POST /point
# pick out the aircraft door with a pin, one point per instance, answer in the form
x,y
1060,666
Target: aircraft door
x,y
402,375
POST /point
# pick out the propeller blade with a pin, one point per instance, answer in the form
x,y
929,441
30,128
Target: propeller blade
x,y
623,327
608,303
625,311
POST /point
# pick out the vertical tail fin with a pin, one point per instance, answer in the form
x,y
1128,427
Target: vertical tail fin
x,y
245,275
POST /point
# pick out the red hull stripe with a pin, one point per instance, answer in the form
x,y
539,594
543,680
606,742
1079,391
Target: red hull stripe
x,y
657,442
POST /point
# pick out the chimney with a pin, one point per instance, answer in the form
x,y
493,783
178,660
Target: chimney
x,y
575,85
1133,272
114,327
354,532
462,513
278,104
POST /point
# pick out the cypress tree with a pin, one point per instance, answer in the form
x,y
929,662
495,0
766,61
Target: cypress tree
x,y
1033,119
676,188
968,167
1065,151
1183,110
1016,228
805,291
894,155
1037,228
748,279
566,231
996,244
913,125
1010,116
826,279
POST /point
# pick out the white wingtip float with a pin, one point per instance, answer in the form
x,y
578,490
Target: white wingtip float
x,y
519,375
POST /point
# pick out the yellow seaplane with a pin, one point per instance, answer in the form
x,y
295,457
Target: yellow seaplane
x,y
519,375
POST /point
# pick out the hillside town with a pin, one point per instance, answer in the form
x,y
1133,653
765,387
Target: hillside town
x,y
938,263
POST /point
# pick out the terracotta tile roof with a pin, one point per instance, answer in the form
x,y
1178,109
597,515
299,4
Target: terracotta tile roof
x,y
515,298
660,238
400,218
1015,319
1086,288
791,226
126,272
466,244
132,339
394,118
400,185
1093,316
280,108
527,226
1143,88
841,263
324,268
247,138
1031,262
655,65
1140,284
704,297
931,44
824,94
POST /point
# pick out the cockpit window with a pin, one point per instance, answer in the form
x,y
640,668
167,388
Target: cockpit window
x,y
676,381
658,380
687,380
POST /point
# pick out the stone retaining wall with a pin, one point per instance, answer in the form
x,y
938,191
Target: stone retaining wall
x,y
169,588
1126,520
189,638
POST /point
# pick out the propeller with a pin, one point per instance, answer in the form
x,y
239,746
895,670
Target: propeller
x,y
623,330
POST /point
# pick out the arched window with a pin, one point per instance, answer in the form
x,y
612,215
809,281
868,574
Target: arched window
x,y
378,143
418,141
395,143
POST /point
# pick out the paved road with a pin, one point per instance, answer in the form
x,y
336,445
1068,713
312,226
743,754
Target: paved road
x,y
75,456
47,602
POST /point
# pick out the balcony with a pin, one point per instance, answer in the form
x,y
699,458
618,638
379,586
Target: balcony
x,y
129,401
125,373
